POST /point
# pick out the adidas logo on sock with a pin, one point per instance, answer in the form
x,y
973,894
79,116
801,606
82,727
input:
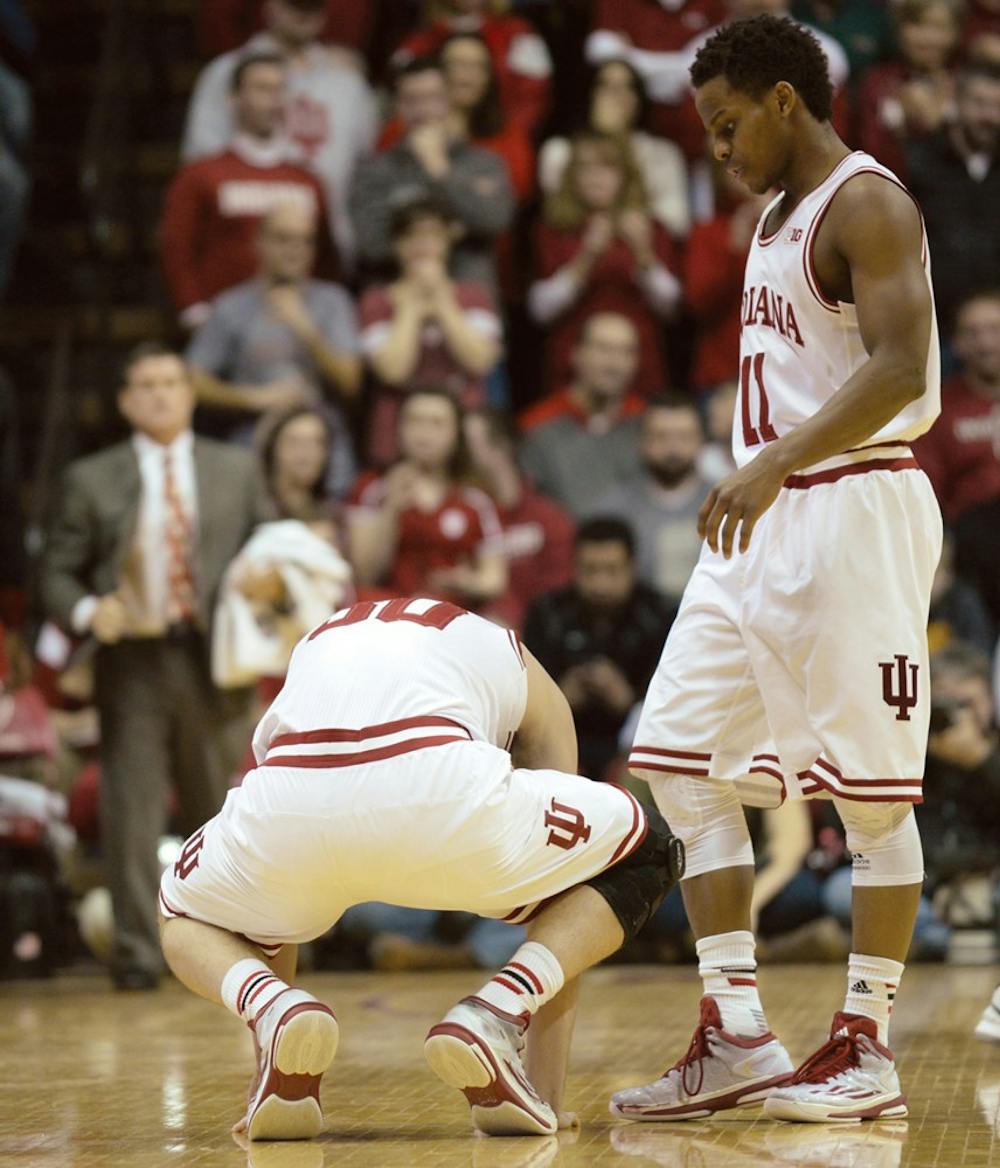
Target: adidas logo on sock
x,y
860,987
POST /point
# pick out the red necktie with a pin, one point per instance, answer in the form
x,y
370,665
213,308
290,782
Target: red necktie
x,y
180,579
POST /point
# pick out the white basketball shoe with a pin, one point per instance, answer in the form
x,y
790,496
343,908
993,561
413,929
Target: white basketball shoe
x,y
720,1071
850,1078
479,1052
988,1026
296,1039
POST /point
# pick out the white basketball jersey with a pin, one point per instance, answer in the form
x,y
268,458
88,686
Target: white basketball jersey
x,y
797,348
380,674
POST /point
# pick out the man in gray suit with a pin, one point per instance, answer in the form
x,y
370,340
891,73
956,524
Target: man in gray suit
x,y
135,558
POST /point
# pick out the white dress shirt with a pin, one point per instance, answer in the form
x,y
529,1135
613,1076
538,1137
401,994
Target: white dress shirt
x,y
150,539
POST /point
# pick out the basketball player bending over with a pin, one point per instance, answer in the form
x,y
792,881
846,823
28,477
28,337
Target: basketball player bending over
x,y
391,767
799,656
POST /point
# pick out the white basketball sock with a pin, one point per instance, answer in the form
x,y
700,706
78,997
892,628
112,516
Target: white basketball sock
x,y
729,973
871,988
531,977
249,988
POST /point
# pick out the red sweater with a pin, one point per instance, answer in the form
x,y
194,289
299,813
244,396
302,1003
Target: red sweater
x,y
713,286
649,25
211,216
524,73
961,453
611,287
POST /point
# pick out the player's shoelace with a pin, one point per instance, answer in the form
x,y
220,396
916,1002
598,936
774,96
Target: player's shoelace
x,y
696,1053
836,1056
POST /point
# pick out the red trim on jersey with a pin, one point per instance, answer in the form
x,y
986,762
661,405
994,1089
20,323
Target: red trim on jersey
x,y
878,446
767,240
360,757
801,482
377,731
672,753
515,641
624,849
820,784
807,251
757,768
765,758
639,765
174,912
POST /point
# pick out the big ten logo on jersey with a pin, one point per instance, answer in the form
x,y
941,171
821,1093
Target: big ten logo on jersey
x,y
438,616
190,855
567,824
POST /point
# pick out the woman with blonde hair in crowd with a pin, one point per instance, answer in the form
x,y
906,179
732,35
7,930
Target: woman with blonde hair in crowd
x,y
599,249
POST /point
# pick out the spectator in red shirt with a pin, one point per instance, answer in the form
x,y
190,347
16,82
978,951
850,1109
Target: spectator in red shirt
x,y
214,206
961,453
713,279
600,250
422,528
651,36
617,103
520,56
425,330
537,532
914,95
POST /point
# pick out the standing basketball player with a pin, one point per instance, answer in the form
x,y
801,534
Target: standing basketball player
x,y
799,656
391,768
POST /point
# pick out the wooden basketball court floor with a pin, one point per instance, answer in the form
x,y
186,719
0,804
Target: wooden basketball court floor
x,y
93,1079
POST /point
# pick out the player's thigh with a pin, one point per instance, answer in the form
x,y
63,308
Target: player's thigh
x,y
702,714
843,657
555,831
265,876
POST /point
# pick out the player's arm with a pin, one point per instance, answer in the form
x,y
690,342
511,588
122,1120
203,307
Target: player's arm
x,y
876,231
546,738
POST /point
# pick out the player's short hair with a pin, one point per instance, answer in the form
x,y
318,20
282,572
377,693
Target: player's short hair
x,y
960,659
413,210
606,529
248,62
754,55
142,352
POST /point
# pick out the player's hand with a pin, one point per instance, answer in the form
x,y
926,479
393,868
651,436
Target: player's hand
x,y
636,229
963,744
110,620
739,501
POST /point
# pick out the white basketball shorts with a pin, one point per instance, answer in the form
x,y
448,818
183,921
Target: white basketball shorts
x,y
804,660
443,827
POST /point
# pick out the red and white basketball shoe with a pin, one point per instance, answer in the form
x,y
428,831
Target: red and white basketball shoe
x,y
479,1052
296,1039
720,1071
850,1078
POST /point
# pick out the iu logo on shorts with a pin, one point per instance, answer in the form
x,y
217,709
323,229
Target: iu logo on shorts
x,y
568,826
187,861
899,685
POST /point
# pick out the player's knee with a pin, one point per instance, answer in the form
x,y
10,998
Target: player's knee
x,y
883,841
635,887
707,816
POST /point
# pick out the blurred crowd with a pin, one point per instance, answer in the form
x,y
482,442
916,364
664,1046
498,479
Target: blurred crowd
x,y
435,335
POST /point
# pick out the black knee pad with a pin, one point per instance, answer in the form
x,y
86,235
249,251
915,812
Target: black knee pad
x,y
635,887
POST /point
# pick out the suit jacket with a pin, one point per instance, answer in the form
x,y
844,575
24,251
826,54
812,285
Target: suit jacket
x,y
94,530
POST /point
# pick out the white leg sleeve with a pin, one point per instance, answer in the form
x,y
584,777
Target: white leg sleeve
x,y
707,816
883,841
